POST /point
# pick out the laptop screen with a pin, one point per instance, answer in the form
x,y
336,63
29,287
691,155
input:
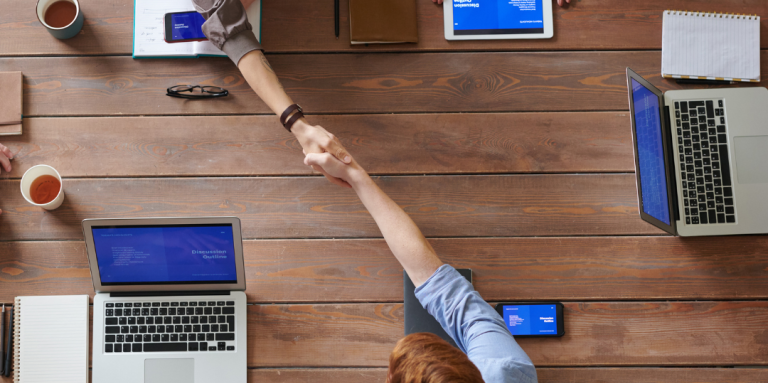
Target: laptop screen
x,y
162,254
650,153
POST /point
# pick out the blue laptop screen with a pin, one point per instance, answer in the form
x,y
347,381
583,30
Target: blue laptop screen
x,y
650,153
497,17
185,254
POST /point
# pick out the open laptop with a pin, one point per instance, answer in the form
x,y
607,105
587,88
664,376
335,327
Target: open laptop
x,y
170,304
700,158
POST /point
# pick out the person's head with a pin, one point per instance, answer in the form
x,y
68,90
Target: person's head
x,y
426,358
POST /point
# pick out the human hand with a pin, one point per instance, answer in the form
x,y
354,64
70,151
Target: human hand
x,y
5,158
332,167
315,139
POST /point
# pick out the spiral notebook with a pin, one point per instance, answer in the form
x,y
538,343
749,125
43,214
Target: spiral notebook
x,y
710,46
50,339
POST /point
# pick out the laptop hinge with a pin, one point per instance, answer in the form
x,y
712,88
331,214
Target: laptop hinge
x,y
122,294
671,167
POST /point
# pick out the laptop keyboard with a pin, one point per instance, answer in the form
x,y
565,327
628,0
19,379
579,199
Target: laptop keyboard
x,y
705,170
169,326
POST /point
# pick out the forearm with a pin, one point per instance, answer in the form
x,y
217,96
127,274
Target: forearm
x,y
263,80
404,238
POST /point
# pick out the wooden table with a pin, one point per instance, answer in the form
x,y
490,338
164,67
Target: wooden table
x,y
514,158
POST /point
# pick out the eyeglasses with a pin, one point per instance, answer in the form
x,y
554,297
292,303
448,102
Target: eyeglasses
x,y
196,91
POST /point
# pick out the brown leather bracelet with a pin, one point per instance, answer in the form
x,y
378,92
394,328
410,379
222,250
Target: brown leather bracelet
x,y
290,109
289,124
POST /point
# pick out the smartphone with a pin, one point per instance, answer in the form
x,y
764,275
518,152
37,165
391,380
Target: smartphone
x,y
539,319
183,27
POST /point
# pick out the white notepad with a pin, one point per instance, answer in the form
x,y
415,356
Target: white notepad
x,y
149,36
50,339
710,46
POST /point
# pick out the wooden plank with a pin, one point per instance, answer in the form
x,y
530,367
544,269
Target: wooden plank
x,y
504,269
383,144
356,83
605,334
299,26
311,207
545,375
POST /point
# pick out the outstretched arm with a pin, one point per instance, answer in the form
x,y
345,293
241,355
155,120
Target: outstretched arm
x,y
402,235
227,28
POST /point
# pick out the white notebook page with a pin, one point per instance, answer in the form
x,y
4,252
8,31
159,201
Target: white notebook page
x,y
52,339
710,45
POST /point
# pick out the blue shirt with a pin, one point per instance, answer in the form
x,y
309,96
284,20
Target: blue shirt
x,y
476,327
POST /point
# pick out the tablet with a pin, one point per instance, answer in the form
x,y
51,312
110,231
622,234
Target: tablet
x,y
497,19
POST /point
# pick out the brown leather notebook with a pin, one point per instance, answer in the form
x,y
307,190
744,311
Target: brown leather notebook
x,y
10,103
383,21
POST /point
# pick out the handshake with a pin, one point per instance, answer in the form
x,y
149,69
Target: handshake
x,y
325,154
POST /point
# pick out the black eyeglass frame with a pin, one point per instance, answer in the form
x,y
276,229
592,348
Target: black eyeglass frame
x,y
171,92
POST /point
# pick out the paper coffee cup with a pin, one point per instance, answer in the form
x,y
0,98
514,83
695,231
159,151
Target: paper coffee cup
x,y
34,173
68,28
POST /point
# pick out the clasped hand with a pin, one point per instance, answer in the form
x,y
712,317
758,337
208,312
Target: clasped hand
x,y
314,139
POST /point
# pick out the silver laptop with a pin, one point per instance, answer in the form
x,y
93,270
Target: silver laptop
x,y
700,158
170,304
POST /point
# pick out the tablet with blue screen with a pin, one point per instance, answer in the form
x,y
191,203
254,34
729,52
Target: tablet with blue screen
x,y
497,19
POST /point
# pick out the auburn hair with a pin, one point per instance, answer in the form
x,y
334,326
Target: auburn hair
x,y
426,358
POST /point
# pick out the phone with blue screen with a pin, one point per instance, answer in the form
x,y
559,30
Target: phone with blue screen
x,y
183,27
539,319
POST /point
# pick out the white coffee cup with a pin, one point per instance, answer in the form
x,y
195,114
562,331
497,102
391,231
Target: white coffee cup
x,y
31,175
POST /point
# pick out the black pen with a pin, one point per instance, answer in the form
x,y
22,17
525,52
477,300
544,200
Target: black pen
x,y
336,11
705,82
8,347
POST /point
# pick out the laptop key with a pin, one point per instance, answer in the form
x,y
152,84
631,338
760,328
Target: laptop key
x,y
730,219
703,217
127,347
163,311
193,346
209,336
195,320
221,346
109,321
200,336
201,303
147,338
720,218
230,348
109,338
165,337
165,347
203,346
165,304
729,210
182,337
136,347
174,337
695,220
107,348
118,347
120,338
211,303
212,348
230,303
223,336
155,304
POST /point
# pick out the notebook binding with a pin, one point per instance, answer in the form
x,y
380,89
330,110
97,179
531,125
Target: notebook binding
x,y
16,339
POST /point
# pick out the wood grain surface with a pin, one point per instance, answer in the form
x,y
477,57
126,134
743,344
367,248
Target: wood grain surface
x,y
545,375
605,333
504,269
350,83
382,144
301,26
301,207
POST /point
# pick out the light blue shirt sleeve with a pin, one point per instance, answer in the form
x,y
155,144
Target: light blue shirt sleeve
x,y
476,327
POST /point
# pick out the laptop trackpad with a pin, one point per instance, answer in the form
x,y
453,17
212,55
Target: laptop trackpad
x,y
169,370
751,159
